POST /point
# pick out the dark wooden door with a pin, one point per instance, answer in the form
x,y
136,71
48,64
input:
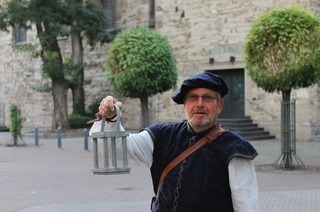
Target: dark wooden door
x,y
234,101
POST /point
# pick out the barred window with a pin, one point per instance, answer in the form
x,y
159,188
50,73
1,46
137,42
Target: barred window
x,y
19,35
109,7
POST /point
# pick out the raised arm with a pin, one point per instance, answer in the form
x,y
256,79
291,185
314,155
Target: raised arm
x,y
140,145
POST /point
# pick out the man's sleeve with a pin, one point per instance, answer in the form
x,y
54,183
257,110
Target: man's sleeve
x,y
243,185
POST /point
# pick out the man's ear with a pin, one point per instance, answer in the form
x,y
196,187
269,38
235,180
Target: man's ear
x,y
221,103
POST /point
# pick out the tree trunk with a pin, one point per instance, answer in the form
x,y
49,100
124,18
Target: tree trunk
x,y
144,112
56,73
59,94
78,95
15,138
286,134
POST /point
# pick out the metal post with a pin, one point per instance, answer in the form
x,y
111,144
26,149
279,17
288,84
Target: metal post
x,y
36,137
85,145
59,145
125,152
114,152
106,153
288,158
95,153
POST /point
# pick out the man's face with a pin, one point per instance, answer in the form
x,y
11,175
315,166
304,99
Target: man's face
x,y
202,107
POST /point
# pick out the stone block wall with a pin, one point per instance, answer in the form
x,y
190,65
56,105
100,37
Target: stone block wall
x,y
196,30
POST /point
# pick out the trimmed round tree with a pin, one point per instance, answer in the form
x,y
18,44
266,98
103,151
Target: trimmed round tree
x,y
140,64
282,52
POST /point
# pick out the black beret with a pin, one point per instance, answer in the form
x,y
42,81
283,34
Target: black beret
x,y
202,80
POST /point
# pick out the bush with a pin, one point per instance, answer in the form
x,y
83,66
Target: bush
x,y
16,123
77,121
15,119
93,108
4,129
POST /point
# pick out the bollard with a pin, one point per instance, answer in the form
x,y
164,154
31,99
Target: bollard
x,y
36,137
59,145
85,134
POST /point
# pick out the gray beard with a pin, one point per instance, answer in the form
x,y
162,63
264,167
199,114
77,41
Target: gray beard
x,y
199,126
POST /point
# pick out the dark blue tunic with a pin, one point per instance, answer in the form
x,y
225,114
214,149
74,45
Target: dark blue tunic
x,y
201,182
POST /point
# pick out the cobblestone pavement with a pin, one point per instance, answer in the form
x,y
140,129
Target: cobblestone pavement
x,y
47,178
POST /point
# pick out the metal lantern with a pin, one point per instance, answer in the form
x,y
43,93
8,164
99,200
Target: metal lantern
x,y
110,142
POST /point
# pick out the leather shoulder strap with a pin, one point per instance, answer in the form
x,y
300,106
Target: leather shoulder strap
x,y
208,138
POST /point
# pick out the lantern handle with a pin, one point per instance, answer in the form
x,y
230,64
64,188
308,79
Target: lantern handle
x,y
118,117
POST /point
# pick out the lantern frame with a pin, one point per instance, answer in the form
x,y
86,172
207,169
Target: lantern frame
x,y
109,146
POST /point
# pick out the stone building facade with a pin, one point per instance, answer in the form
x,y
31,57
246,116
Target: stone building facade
x,y
197,30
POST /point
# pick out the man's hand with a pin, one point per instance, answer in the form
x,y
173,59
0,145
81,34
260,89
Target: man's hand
x,y
107,109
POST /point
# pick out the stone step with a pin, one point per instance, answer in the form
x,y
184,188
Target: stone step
x,y
246,128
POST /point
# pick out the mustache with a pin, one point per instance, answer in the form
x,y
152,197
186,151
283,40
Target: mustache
x,y
199,112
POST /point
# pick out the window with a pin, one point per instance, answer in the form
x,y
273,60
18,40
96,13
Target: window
x,y
19,35
109,7
152,15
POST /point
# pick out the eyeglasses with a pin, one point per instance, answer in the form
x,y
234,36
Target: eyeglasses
x,y
205,98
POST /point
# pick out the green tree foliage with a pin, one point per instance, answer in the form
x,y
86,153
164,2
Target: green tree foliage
x,y
87,17
85,20
140,64
282,50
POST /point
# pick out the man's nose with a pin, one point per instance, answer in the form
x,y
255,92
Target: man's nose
x,y
200,101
